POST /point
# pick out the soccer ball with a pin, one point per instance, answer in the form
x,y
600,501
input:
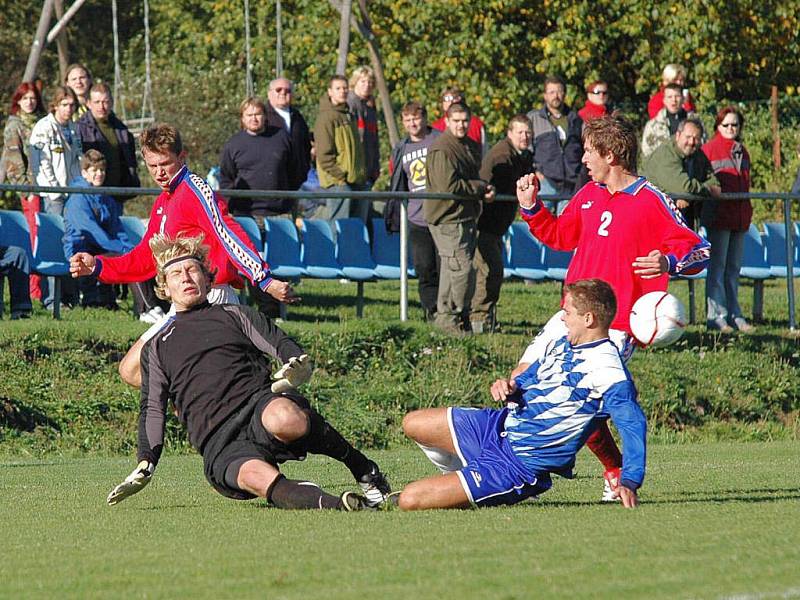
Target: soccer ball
x,y
658,319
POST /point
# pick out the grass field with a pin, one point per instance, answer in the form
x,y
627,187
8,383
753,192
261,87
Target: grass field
x,y
717,521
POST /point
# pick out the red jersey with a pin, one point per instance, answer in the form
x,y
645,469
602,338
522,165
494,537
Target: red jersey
x,y
608,231
190,207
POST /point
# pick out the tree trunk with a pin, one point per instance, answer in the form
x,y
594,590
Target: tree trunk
x,y
61,42
776,134
38,41
345,9
364,26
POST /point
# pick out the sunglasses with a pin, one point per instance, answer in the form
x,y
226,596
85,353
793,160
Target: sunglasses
x,y
600,92
282,90
729,125
450,98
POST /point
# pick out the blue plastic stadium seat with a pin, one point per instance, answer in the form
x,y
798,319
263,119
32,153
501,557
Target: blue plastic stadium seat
x,y
386,252
508,272
318,252
352,250
775,242
282,248
134,227
525,255
754,257
253,232
556,262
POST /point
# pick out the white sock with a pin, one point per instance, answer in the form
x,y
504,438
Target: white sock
x,y
445,461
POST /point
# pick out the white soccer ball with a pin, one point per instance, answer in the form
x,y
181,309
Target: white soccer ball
x,y
658,319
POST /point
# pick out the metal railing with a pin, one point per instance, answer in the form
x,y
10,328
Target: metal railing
x,y
785,197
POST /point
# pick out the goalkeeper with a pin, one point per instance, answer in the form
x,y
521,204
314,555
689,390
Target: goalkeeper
x,y
210,361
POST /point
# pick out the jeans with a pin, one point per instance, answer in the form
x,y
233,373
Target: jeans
x,y
722,280
15,266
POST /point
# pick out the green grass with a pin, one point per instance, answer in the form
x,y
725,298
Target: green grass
x,y
717,520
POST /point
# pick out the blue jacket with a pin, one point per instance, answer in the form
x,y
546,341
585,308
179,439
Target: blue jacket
x,y
560,164
92,223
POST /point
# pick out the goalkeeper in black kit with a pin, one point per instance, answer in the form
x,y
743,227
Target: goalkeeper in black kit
x,y
210,361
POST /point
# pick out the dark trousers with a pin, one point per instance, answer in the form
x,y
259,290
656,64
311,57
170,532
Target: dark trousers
x,y
426,263
15,266
145,299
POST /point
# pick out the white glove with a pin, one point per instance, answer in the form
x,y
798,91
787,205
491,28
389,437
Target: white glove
x,y
135,482
294,373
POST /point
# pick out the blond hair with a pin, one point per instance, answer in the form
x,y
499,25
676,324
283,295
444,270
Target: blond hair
x,y
166,249
359,72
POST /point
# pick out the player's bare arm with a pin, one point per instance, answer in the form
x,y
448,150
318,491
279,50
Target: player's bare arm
x,y
651,266
282,291
81,264
527,191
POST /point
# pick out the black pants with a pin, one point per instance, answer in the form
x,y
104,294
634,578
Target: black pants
x,y
426,263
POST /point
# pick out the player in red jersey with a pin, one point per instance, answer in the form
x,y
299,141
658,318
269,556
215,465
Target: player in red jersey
x,y
188,206
624,231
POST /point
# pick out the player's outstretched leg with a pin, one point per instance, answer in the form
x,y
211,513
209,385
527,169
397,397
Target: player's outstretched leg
x,y
293,422
430,430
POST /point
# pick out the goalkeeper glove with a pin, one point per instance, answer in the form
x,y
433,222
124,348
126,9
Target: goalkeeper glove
x,y
135,482
292,374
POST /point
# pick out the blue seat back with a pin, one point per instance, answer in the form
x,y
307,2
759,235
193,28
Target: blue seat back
x,y
755,251
318,249
49,255
14,231
253,232
385,245
352,244
775,243
525,251
134,228
282,247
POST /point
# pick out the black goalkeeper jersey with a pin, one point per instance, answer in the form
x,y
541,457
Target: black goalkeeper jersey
x,y
209,361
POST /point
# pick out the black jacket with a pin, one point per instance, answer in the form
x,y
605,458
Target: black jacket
x,y
300,138
93,139
502,167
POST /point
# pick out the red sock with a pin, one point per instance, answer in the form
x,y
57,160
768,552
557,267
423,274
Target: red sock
x,y
602,443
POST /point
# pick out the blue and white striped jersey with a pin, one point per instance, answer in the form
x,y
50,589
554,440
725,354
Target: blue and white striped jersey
x,y
560,395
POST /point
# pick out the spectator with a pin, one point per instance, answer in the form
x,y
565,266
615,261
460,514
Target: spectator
x,y
257,158
361,101
664,125
596,101
727,222
671,74
15,266
476,131
556,146
453,167
679,167
505,163
15,163
92,223
79,80
56,148
281,113
55,161
408,174
100,129
340,155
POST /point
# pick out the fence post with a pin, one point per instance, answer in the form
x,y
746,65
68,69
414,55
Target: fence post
x,y
789,227
403,259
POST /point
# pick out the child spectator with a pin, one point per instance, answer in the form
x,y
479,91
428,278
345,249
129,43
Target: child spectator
x,y
92,223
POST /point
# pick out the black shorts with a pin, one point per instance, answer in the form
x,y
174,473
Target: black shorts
x,y
241,438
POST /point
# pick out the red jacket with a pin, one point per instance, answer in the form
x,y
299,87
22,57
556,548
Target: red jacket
x,y
609,231
190,207
657,103
592,111
731,164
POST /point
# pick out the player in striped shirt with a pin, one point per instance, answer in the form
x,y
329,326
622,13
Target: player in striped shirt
x,y
501,456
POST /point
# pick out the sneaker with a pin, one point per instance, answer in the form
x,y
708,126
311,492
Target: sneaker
x,y
743,326
352,502
610,485
20,314
375,486
152,316
719,324
476,326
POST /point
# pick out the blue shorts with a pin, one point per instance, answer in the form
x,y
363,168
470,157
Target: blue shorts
x,y
492,474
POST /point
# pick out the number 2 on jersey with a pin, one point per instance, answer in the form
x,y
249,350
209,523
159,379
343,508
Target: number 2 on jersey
x,y
605,221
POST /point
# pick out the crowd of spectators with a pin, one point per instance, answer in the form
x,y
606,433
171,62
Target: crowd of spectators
x,y
456,245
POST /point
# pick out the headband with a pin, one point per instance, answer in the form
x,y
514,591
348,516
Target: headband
x,y
181,259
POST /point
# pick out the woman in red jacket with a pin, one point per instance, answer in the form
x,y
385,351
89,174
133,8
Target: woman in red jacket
x,y
727,222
